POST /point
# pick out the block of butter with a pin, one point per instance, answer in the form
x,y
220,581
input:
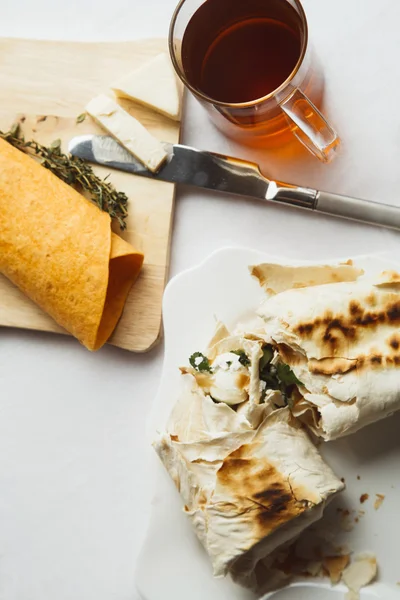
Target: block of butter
x,y
127,131
154,85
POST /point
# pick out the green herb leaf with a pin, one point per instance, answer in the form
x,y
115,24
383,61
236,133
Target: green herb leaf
x,y
243,358
277,377
55,146
286,375
15,131
268,355
271,380
267,372
203,366
80,118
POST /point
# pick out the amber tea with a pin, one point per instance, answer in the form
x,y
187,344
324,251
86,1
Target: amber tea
x,y
237,51
250,64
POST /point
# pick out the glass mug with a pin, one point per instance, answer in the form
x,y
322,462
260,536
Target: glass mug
x,y
250,64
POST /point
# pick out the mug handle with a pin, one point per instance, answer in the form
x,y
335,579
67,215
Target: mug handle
x,y
310,126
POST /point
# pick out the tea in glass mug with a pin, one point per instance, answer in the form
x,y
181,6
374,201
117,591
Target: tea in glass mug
x,y
249,62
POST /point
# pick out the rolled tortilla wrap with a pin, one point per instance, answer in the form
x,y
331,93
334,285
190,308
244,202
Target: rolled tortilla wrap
x,y
246,491
342,341
58,248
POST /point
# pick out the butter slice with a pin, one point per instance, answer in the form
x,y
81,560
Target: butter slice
x,y
127,131
154,85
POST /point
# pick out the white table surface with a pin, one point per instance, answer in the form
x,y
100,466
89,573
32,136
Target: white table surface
x,y
74,481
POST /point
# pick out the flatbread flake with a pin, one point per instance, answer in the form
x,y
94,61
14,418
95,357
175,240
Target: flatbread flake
x,y
360,573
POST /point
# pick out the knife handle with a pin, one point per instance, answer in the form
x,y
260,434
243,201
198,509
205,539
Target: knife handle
x,y
365,211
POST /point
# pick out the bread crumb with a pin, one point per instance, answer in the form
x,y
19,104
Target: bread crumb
x,y
359,574
335,565
364,498
379,500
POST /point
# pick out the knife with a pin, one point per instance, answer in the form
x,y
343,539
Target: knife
x,y
222,173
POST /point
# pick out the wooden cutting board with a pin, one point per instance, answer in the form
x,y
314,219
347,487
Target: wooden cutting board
x,y
56,80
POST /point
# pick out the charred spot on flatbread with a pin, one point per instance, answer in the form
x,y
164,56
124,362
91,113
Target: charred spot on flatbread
x,y
332,366
257,486
377,360
395,360
371,299
336,332
290,356
394,341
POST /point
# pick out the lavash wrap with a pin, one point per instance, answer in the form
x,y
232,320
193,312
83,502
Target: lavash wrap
x,y
249,477
58,248
342,341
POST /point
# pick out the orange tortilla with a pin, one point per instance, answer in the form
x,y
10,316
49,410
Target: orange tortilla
x,y
58,248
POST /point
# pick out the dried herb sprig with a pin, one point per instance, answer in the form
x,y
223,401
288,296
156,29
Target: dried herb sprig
x,y
75,172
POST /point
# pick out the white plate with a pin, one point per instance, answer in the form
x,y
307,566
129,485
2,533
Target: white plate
x,y
172,564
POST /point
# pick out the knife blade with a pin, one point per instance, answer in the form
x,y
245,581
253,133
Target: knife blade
x,y
221,173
